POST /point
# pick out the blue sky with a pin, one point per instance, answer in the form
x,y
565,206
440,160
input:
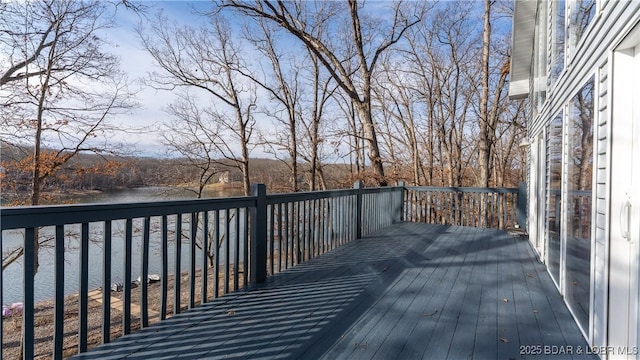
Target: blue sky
x,y
137,63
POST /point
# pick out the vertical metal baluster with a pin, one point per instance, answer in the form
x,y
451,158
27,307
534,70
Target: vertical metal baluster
x,y
279,237
321,244
330,217
245,232
28,291
84,289
128,239
58,316
106,284
165,268
227,240
305,237
339,217
216,254
193,227
286,235
178,266
236,255
297,224
272,238
144,274
204,274
315,227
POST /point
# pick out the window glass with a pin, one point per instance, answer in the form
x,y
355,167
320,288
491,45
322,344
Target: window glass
x,y
540,59
557,37
578,204
582,12
554,184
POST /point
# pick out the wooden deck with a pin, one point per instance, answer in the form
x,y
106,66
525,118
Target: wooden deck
x,y
409,291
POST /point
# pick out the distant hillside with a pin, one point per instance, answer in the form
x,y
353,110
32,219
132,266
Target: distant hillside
x,y
88,171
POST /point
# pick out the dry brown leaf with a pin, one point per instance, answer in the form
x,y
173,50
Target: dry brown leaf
x,y
231,312
504,340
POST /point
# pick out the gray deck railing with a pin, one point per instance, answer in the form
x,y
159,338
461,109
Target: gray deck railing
x,y
244,240
477,207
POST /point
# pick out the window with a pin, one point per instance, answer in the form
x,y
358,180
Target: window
x,y
557,38
540,59
554,185
581,14
578,202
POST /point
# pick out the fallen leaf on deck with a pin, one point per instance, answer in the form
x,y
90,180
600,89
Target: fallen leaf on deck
x,y
529,275
504,340
231,312
535,311
505,300
430,314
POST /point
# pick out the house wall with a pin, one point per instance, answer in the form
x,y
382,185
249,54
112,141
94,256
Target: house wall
x,y
588,58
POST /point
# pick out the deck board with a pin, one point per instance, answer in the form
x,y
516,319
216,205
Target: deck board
x,y
408,291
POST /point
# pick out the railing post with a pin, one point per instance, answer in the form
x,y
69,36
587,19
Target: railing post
x,y
258,246
398,216
521,203
358,186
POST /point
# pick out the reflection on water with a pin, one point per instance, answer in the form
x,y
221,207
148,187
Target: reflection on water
x,y
12,278
151,193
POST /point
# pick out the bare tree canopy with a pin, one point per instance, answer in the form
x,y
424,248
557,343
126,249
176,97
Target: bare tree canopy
x,y
350,58
207,59
58,86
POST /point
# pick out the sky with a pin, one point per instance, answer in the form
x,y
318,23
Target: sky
x,y
136,62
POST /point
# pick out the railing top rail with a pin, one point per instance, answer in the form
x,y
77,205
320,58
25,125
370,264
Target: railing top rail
x,y
274,199
464,189
51,215
377,190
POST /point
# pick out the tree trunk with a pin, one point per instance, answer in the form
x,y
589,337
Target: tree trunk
x,y
364,112
486,131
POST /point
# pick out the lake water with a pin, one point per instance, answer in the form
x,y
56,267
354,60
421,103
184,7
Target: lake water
x,y
12,278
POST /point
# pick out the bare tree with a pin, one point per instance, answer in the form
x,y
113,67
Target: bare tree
x,y
59,89
285,89
486,123
323,90
208,60
191,134
350,60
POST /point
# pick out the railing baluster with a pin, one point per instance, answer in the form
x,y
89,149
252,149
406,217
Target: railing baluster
x,y
144,274
216,254
297,224
272,239
84,289
227,240
305,239
245,234
106,284
58,316
30,236
204,272
165,268
279,237
193,234
177,266
128,239
236,253
286,235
